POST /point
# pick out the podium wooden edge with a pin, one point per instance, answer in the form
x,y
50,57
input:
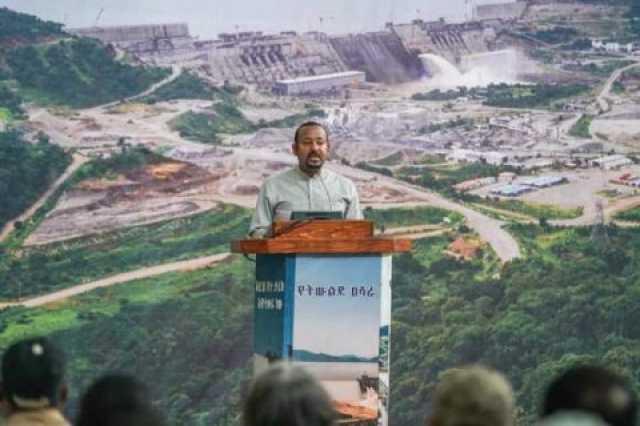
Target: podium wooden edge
x,y
322,237
333,246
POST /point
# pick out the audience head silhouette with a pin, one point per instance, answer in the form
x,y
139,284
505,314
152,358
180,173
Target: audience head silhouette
x,y
472,396
594,390
33,375
117,400
286,395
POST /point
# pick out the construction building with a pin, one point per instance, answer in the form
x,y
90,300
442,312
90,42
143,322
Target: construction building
x,y
319,83
499,11
611,162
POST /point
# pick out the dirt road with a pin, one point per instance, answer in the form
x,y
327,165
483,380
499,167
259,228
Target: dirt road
x,y
175,73
78,161
602,101
489,229
590,213
182,266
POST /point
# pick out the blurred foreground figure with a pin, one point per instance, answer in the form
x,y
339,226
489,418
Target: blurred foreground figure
x,y
118,400
34,391
472,396
285,395
592,390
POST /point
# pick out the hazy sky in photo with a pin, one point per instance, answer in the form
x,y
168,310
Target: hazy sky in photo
x,y
207,18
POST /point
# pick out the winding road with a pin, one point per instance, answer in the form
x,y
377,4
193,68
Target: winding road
x,y
78,161
151,271
489,229
601,100
175,73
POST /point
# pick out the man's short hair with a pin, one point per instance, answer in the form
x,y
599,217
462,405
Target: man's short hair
x,y
32,373
309,124
472,396
117,399
286,395
593,390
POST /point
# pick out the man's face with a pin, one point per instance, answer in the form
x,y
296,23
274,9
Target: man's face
x,y
312,149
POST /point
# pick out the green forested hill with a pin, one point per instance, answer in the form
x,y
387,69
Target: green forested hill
x,y
53,67
18,28
189,334
26,171
78,73
570,301
51,267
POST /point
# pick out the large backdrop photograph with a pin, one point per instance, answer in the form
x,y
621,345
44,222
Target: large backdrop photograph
x,y
501,137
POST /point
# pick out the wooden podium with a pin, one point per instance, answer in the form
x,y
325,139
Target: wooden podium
x,y
323,300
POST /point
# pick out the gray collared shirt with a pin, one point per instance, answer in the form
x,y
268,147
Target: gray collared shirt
x,y
293,190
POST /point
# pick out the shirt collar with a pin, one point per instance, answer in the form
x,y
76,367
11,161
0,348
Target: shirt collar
x,y
322,174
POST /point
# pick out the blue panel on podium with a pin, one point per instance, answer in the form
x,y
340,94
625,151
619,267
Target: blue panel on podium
x,y
273,306
330,314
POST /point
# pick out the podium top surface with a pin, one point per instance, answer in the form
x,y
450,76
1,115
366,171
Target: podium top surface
x,y
322,237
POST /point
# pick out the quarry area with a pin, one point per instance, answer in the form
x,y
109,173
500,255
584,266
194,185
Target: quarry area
x,y
414,97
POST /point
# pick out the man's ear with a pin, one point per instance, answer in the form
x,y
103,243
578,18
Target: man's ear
x,y
294,148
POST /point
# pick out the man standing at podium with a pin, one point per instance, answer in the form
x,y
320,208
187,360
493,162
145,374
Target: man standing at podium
x,y
307,187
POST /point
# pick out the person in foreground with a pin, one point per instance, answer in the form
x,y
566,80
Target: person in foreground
x,y
592,390
34,391
118,400
472,396
309,186
286,395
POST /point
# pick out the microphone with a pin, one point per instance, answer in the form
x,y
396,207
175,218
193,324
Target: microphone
x,y
347,204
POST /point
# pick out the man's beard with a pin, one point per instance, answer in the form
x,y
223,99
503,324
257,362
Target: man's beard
x,y
313,162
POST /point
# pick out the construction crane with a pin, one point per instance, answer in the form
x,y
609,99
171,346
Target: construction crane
x,y
469,9
95,24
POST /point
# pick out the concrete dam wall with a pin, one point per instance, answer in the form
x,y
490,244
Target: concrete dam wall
x,y
134,33
381,55
451,41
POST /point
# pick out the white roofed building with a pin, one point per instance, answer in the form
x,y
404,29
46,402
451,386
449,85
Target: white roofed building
x,y
318,83
611,162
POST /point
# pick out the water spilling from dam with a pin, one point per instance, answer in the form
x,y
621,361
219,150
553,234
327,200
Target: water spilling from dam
x,y
476,70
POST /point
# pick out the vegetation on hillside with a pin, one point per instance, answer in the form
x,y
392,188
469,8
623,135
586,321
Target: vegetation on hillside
x,y
44,269
78,73
10,103
393,159
26,172
409,216
533,210
510,95
555,35
437,95
581,128
225,117
205,126
189,86
187,335
19,27
631,215
531,96
56,266
634,17
443,179
571,301
466,123
603,69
